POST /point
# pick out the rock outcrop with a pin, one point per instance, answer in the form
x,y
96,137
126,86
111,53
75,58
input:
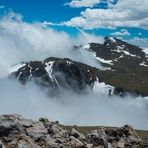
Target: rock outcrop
x,y
18,132
56,74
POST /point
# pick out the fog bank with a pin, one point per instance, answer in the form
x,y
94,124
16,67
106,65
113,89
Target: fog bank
x,y
71,109
22,41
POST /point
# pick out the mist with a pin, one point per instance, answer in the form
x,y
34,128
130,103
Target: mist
x,y
71,109
22,41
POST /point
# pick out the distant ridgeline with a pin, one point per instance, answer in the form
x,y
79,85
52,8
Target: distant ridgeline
x,y
124,71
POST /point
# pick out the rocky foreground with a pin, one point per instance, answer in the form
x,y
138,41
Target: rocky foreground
x,y
18,132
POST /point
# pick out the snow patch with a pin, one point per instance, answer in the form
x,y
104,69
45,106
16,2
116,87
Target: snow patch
x,y
30,76
87,46
37,69
121,56
105,61
120,49
112,40
129,54
102,88
49,69
19,75
101,67
143,64
56,82
145,50
69,63
16,67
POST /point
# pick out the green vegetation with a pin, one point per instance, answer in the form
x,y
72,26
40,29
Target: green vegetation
x,y
130,65
127,74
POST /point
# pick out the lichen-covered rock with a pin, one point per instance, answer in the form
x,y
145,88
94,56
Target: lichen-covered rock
x,y
37,131
97,137
1,145
74,142
27,144
18,132
77,135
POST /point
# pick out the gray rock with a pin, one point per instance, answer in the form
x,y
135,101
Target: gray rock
x,y
18,132
56,129
1,144
89,145
97,137
77,135
37,131
74,142
27,144
53,144
121,143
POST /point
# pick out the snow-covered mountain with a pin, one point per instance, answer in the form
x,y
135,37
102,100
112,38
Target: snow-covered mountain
x,y
126,64
124,69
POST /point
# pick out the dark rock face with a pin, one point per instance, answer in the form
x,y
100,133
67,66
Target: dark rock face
x,y
114,48
56,74
75,75
122,92
16,131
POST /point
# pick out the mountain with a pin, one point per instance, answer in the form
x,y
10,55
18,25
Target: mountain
x,y
57,74
124,70
127,64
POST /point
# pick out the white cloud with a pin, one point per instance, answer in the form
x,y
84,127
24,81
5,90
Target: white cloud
x,y
82,3
76,22
51,24
1,7
71,109
89,38
141,42
112,1
123,32
21,41
146,51
90,3
129,13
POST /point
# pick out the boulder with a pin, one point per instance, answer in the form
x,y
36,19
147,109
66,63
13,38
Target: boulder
x,y
77,135
16,131
37,131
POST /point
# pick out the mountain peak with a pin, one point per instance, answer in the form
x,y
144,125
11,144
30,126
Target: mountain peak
x,y
124,67
110,39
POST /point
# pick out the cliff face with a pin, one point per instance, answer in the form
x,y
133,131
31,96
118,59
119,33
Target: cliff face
x,y
16,131
57,74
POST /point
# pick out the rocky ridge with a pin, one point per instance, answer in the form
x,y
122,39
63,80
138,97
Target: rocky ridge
x,y
126,64
125,70
16,131
57,74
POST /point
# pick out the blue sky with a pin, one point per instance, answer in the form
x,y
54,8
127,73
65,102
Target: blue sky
x,y
126,20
